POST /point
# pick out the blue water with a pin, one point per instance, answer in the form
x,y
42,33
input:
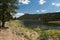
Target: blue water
x,y
40,24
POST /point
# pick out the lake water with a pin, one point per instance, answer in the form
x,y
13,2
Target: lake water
x,y
40,24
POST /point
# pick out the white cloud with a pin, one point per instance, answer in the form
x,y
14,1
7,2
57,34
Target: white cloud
x,y
42,2
18,15
24,1
37,10
53,4
56,4
58,11
43,10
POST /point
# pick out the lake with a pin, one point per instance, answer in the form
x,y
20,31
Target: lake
x,y
40,24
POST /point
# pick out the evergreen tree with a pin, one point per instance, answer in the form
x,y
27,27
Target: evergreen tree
x,y
7,7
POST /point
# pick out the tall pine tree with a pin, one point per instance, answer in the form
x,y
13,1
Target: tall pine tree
x,y
7,7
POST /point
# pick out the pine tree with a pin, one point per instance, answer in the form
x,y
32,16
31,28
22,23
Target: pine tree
x,y
7,7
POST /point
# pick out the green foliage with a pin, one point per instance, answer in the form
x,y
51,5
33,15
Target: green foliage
x,y
9,1
53,32
45,17
7,8
43,36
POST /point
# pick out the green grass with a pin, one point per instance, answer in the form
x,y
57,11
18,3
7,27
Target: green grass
x,y
54,22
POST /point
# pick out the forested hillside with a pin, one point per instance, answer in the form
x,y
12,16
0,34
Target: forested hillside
x,y
45,17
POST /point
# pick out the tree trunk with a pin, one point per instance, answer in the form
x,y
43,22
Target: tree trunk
x,y
3,21
3,16
3,24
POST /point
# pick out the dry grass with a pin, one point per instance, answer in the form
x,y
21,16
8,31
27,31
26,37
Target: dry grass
x,y
32,34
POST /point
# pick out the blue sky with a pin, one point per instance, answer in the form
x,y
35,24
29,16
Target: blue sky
x,y
38,6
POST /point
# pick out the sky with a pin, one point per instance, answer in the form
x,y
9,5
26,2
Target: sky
x,y
38,6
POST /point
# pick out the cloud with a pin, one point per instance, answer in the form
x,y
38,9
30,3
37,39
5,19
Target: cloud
x,y
18,15
24,1
37,10
43,10
56,4
42,2
58,11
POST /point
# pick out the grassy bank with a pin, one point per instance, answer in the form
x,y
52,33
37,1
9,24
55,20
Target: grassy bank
x,y
54,22
32,34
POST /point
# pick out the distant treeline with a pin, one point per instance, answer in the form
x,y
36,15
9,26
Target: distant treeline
x,y
45,17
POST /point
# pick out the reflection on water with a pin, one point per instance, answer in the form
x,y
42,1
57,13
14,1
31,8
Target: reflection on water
x,y
37,23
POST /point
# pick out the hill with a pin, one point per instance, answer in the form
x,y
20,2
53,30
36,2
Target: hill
x,y
45,17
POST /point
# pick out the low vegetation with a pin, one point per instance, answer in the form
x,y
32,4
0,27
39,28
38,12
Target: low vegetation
x,y
54,22
32,34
